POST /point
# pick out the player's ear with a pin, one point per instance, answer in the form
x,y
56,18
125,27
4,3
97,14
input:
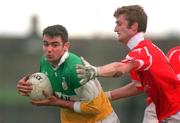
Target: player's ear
x,y
66,46
135,26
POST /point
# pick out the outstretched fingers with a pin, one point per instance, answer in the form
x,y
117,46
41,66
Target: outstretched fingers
x,y
86,63
80,70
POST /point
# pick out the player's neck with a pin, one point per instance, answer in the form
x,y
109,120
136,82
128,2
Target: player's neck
x,y
55,63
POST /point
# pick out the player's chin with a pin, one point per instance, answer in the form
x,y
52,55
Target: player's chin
x,y
50,59
118,37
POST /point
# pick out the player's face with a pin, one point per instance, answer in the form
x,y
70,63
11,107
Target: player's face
x,y
123,30
54,48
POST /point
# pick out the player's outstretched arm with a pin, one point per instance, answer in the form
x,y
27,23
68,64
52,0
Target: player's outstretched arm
x,y
115,69
123,92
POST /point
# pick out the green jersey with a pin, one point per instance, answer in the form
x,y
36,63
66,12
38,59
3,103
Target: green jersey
x,y
63,78
91,103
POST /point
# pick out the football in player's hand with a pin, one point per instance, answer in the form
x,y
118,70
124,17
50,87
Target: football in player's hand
x,y
40,83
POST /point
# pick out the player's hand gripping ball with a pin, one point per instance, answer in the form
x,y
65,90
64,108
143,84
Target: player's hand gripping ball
x,y
40,83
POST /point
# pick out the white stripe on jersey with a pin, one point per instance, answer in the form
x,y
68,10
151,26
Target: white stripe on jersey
x,y
146,49
173,53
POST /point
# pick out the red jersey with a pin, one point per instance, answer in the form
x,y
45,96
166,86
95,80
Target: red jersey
x,y
157,77
174,58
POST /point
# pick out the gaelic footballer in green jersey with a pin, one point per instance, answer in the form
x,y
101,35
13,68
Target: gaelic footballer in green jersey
x,y
91,104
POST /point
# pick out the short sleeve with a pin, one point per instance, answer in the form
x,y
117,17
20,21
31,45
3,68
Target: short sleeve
x,y
142,57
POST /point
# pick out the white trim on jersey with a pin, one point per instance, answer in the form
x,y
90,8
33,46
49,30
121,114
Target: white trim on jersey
x,y
63,58
172,53
77,107
141,62
150,60
178,76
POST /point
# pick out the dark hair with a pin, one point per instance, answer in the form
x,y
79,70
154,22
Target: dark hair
x,y
56,30
133,13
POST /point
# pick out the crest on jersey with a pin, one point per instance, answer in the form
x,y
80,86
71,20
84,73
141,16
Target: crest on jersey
x,y
46,73
64,84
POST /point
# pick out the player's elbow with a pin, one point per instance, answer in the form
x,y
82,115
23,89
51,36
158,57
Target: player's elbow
x,y
93,110
87,108
122,68
117,69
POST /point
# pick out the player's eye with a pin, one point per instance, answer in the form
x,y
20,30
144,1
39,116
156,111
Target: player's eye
x,y
45,43
55,45
118,23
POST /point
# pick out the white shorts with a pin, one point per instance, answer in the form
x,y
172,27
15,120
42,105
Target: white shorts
x,y
111,118
173,118
150,114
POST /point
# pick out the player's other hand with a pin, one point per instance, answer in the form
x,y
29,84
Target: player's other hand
x,y
23,87
86,71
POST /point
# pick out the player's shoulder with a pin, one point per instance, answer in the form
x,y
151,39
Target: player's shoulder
x,y
143,44
43,59
74,59
177,48
173,51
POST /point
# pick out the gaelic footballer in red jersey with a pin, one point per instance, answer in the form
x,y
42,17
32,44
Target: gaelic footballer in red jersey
x,y
149,68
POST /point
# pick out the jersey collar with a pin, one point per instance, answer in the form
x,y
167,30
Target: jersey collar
x,y
135,40
63,58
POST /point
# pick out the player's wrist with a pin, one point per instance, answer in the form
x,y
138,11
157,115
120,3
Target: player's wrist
x,y
108,94
96,71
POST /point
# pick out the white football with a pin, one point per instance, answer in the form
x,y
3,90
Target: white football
x,y
40,83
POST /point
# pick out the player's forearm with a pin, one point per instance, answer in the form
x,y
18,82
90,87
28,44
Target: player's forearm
x,y
65,104
115,69
80,107
110,70
125,91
